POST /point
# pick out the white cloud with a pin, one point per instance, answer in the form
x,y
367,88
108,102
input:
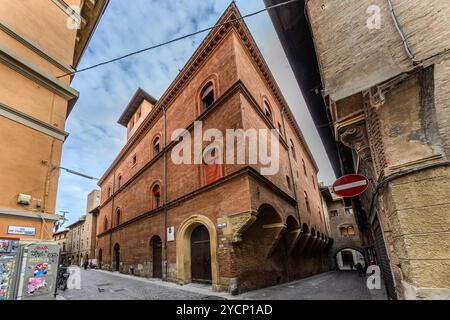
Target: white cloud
x,y
95,137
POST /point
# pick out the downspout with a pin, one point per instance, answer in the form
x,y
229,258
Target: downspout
x,y
402,36
165,194
112,212
293,184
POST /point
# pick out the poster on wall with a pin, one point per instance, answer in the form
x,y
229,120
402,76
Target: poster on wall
x,y
41,270
8,262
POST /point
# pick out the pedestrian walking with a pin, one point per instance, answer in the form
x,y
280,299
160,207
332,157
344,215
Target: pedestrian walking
x,y
85,264
360,269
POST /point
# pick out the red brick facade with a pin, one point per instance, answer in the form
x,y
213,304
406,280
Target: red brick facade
x,y
258,235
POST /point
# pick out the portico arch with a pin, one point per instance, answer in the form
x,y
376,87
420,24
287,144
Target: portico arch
x,y
184,273
355,255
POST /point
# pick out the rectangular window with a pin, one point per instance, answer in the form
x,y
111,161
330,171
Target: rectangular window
x,y
334,213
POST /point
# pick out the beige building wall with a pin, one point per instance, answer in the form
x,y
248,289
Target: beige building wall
x,y
36,48
82,233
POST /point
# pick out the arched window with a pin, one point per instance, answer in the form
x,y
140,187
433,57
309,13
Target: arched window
x,y
347,231
106,224
267,110
120,182
293,150
207,96
351,231
156,146
156,193
288,180
304,167
212,170
109,192
307,202
118,216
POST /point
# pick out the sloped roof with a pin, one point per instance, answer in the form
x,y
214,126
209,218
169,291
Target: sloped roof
x,y
134,104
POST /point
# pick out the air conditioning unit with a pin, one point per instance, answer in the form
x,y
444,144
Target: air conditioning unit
x,y
24,199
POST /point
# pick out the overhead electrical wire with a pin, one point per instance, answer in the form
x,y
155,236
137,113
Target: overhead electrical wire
x,y
176,39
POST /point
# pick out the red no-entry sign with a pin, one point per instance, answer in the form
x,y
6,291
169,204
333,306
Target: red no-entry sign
x,y
350,185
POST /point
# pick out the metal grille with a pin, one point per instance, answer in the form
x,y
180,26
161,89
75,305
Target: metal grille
x,y
383,260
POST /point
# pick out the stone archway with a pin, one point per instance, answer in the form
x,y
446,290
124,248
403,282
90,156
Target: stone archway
x,y
352,257
100,258
184,271
157,264
116,264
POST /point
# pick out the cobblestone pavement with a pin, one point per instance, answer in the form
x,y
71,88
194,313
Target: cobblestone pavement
x,y
343,285
103,285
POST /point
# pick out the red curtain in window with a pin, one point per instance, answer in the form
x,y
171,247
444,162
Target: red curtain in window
x,y
213,172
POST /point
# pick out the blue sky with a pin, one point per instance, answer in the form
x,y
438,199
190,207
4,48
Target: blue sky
x,y
96,138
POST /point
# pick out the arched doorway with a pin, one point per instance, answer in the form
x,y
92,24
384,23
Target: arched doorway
x,y
184,264
201,255
157,256
116,257
100,257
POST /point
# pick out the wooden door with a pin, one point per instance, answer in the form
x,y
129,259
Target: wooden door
x,y
157,257
117,257
201,255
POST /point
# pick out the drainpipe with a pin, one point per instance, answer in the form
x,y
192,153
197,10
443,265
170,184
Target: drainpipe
x,y
293,183
165,194
112,212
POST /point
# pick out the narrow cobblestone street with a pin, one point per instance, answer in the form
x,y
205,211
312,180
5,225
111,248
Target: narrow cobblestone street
x,y
337,285
101,285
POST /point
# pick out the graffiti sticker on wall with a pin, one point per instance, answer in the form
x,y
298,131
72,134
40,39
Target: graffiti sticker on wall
x,y
41,270
8,256
37,286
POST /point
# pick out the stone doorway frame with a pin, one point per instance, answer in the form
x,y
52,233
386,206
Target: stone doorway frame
x,y
184,275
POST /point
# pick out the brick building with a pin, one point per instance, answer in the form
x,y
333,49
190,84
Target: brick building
x,y
61,238
376,77
81,237
225,224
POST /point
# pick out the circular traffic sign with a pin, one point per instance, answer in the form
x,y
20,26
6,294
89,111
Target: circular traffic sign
x,y
350,185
